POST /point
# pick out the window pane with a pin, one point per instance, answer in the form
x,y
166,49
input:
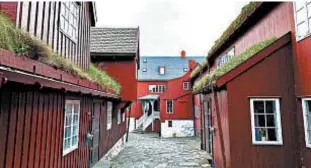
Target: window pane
x,y
68,108
301,16
309,9
67,143
299,5
260,121
75,119
270,106
67,132
260,134
74,140
309,137
75,130
302,29
272,136
258,106
271,121
76,108
68,120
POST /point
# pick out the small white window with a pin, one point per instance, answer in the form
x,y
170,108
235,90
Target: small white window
x,y
119,116
169,106
144,69
302,12
145,60
266,121
186,85
69,19
306,105
162,70
71,126
123,117
109,115
186,70
156,88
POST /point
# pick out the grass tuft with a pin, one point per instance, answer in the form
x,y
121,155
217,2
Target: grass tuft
x,y
234,62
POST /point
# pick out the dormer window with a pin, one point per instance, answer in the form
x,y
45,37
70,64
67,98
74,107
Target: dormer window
x,y
144,69
186,69
162,70
145,60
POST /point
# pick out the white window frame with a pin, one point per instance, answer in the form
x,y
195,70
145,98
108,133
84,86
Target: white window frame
x,y
144,69
167,108
156,88
306,20
305,121
278,120
72,146
162,70
225,58
186,69
123,116
69,18
109,114
119,116
186,84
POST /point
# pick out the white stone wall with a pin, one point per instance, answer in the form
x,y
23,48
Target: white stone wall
x,y
116,149
181,128
132,124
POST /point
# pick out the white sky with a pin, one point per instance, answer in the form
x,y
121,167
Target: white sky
x,y
169,26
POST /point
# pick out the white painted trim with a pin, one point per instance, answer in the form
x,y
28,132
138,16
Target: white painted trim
x,y
72,148
304,110
109,110
278,118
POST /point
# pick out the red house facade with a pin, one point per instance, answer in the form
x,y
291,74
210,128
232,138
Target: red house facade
x,y
164,100
54,112
255,109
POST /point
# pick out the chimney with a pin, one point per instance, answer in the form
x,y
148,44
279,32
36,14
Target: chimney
x,y
183,54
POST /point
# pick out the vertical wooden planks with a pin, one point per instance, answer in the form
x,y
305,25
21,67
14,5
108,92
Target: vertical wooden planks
x,y
48,127
34,130
39,134
53,131
4,122
26,134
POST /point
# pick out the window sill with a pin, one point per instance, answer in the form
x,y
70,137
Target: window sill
x,y
303,37
70,150
268,143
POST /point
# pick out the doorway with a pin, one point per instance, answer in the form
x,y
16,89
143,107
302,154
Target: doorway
x,y
208,126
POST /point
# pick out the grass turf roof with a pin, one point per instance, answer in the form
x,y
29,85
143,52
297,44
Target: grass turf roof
x,y
22,43
234,62
238,21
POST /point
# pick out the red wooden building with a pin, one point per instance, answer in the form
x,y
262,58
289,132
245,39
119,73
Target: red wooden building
x,y
51,117
164,100
255,112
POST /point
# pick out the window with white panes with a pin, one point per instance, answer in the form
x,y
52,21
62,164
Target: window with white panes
x,y
186,69
306,105
162,70
119,116
109,115
69,19
302,12
156,88
226,57
169,106
186,85
71,126
266,121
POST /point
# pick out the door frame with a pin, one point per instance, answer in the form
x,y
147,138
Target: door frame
x,y
208,125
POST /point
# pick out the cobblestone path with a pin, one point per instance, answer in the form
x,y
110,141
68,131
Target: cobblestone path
x,y
149,151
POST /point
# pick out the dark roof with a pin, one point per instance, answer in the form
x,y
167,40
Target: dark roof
x,y
114,40
174,67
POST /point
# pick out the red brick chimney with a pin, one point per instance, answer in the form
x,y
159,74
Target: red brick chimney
x,y
183,54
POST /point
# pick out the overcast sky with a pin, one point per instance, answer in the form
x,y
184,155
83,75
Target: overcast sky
x,y
169,26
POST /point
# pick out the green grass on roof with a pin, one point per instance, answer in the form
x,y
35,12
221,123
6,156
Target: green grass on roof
x,y
238,21
234,62
22,43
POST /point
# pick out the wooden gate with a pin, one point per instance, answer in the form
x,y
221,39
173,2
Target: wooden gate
x,y
95,132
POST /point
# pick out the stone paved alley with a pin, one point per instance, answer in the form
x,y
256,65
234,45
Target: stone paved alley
x,y
149,151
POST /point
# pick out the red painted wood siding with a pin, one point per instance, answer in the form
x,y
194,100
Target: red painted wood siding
x,y
198,111
125,73
32,129
277,69
10,8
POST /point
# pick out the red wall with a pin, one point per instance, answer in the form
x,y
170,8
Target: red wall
x,y
125,73
10,8
277,69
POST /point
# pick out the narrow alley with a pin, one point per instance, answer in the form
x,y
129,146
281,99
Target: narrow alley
x,y
148,151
